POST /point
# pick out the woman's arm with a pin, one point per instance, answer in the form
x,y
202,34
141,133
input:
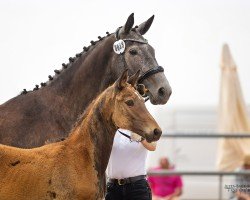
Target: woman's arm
x,y
149,146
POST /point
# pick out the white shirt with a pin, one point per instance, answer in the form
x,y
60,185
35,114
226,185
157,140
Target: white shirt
x,y
127,159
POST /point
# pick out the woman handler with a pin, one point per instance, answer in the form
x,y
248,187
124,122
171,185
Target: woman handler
x,y
127,167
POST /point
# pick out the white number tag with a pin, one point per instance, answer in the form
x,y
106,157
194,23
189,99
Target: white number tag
x,y
119,46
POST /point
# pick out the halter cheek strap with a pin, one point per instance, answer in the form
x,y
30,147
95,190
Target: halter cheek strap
x,y
119,47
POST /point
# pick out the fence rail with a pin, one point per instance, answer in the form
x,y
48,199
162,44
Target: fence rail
x,y
213,135
196,173
220,174
206,135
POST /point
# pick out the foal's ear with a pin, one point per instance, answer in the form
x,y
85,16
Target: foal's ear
x,y
141,89
134,78
122,80
129,24
143,28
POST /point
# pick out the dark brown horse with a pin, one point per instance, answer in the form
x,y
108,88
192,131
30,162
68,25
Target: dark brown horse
x,y
74,169
49,112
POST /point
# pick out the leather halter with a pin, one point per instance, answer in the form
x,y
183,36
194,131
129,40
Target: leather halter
x,y
149,72
127,136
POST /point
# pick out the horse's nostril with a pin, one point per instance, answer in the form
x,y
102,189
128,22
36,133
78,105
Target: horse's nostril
x,y
161,91
157,132
170,92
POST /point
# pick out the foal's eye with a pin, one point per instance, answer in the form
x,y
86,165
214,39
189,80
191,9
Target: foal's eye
x,y
133,52
129,102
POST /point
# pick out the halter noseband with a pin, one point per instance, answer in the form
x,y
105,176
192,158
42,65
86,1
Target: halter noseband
x,y
149,72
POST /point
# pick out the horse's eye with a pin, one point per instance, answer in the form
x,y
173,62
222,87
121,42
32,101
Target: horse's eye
x,y
130,102
133,52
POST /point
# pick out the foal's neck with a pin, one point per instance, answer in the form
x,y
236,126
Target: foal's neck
x,y
97,125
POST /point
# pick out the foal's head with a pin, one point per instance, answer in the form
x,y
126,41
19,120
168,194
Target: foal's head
x,y
130,111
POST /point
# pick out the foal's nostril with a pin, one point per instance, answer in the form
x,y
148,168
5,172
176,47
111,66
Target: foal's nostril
x,y
157,132
161,91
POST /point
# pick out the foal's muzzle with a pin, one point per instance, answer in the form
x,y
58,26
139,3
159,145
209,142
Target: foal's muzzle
x,y
154,136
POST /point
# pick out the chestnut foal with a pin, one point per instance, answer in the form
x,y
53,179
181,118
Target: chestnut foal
x,y
75,168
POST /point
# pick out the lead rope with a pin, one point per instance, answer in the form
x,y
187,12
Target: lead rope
x,y
127,136
124,134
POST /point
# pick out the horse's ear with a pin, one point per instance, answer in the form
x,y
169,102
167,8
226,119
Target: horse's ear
x,y
129,24
143,28
122,80
134,78
141,89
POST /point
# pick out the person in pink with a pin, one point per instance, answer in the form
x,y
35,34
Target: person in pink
x,y
165,187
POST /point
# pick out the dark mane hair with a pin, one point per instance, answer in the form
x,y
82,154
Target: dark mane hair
x,y
64,68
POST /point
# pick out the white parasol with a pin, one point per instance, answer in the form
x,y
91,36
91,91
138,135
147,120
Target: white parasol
x,y
232,116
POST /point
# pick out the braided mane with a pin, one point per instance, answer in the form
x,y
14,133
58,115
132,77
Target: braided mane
x,y
68,65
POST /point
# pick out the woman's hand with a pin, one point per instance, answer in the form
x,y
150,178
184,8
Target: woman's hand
x,y
242,195
149,146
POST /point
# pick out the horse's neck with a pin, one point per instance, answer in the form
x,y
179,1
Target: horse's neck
x,y
98,126
85,78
